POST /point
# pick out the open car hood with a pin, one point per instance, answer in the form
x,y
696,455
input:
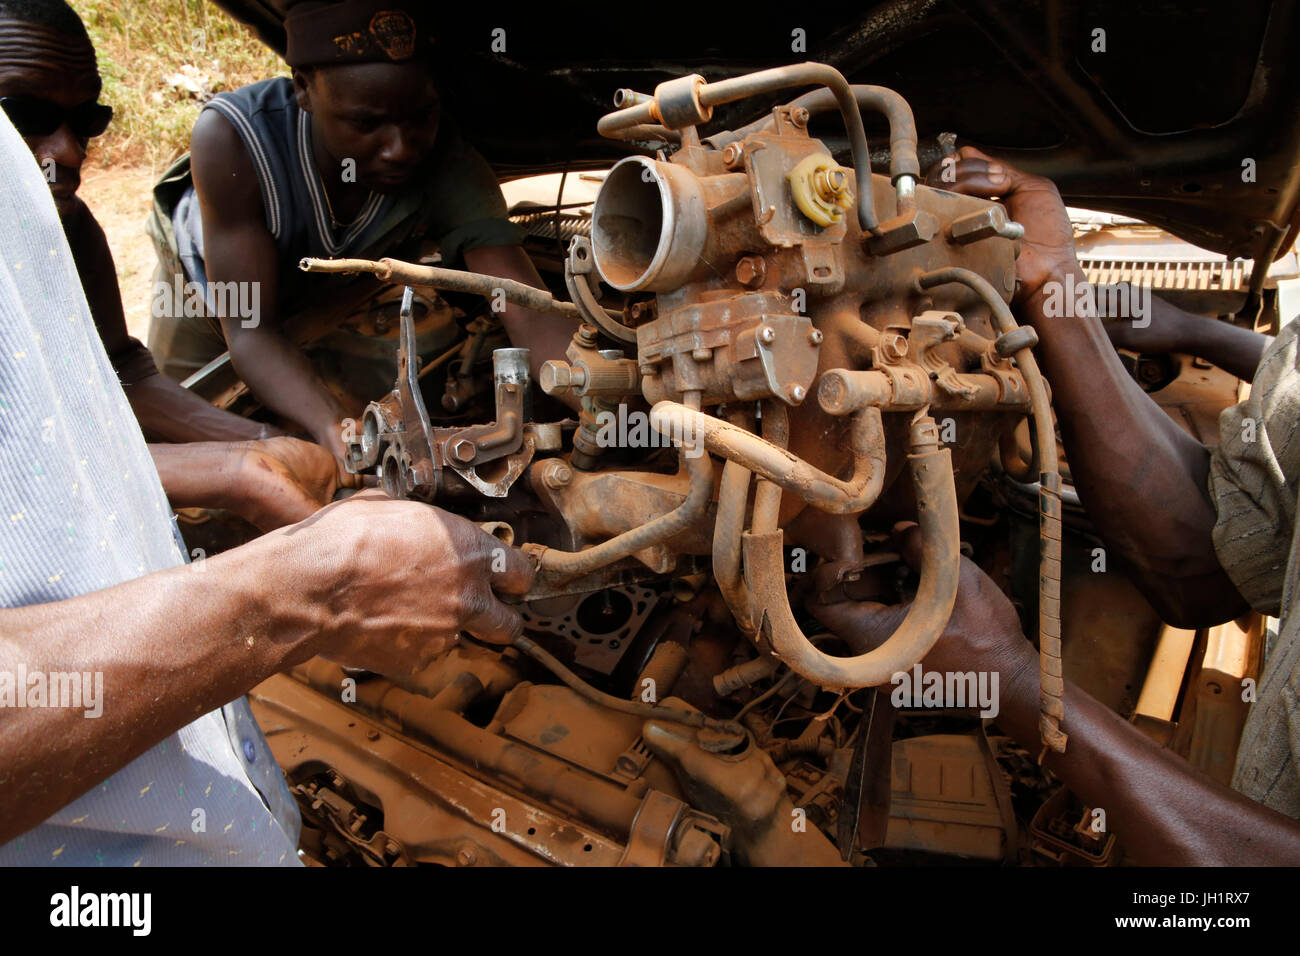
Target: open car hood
x,y
1189,118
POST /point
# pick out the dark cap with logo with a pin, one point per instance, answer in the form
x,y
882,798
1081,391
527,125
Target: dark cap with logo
x,y
356,31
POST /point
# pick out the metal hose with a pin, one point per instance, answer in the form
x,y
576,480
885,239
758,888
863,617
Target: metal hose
x,y
903,158
566,564
449,280
784,469
936,502
675,715
1051,675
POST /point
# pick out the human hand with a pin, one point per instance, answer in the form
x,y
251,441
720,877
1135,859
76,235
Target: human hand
x,y
284,480
982,634
1047,249
410,578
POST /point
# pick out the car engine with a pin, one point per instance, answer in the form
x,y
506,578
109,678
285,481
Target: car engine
x,y
774,359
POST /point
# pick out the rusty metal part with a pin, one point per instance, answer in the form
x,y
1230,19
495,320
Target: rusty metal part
x,y
1052,680
448,280
732,732
566,564
745,675
931,468
749,347
577,266
779,466
728,526
707,95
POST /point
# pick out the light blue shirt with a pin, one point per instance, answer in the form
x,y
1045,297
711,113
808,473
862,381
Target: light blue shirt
x,y
81,508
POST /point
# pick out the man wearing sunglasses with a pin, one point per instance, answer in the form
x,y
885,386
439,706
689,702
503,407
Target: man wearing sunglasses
x,y
49,89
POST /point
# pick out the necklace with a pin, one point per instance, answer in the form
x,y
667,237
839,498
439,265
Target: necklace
x,y
329,207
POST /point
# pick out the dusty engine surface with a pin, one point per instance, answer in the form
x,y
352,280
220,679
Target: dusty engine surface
x,y
795,354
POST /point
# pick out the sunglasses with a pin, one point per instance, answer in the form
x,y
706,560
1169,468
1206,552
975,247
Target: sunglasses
x,y
33,116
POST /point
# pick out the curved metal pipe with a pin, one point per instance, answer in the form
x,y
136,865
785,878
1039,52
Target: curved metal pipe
x,y
676,715
789,471
936,502
566,564
903,158
728,526
1051,674
767,81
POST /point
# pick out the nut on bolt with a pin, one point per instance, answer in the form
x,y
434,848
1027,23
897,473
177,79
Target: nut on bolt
x,y
751,271
556,475
733,155
464,451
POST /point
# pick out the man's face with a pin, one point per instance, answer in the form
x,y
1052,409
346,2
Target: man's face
x,y
384,116
59,70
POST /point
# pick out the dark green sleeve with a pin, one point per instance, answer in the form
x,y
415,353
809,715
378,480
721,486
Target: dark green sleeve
x,y
469,211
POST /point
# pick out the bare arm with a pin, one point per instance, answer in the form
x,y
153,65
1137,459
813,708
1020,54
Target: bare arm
x,y
352,583
165,411
1141,477
269,483
1165,811
1171,329
239,248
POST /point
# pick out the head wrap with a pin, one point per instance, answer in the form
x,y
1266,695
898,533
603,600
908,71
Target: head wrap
x,y
355,31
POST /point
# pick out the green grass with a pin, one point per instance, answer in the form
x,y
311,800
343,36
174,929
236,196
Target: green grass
x,y
142,42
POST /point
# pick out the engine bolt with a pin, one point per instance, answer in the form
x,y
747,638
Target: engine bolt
x,y
751,271
799,117
815,337
466,856
556,475
767,335
733,155
797,392
464,451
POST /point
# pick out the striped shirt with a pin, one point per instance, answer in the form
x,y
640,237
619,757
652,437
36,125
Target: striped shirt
x,y
82,509
1254,479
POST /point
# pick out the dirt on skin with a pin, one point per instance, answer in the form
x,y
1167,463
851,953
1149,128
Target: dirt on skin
x,y
121,198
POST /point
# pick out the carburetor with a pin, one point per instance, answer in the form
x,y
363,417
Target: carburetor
x,y
775,274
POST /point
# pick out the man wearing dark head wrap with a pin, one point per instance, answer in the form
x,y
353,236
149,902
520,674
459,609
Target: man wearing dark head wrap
x,y
353,156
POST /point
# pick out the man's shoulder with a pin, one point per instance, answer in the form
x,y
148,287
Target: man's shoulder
x,y
274,94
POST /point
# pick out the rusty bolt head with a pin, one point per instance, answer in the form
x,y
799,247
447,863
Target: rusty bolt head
x,y
799,116
751,271
556,475
586,335
466,856
767,335
464,451
815,337
893,345
733,155
797,392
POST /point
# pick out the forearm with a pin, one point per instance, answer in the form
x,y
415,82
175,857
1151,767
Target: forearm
x,y
170,646
1170,329
168,413
1141,477
287,383
201,474
1163,810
